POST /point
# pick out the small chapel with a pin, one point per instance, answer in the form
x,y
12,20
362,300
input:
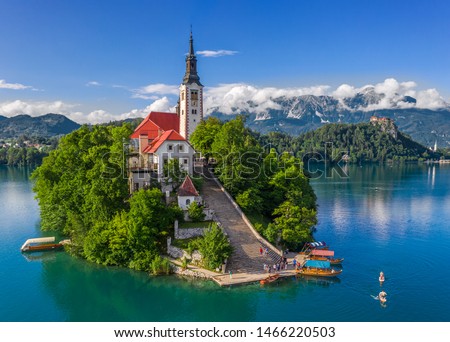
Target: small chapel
x,y
164,136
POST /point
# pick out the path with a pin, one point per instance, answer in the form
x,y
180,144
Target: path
x,y
246,257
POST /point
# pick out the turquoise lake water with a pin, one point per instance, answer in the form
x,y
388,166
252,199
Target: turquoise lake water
x,y
380,218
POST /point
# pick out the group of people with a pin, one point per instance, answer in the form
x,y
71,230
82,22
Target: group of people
x,y
283,265
382,295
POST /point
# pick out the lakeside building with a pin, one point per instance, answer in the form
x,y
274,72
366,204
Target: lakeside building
x,y
165,136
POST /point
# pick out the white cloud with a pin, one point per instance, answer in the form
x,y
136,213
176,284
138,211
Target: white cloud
x,y
14,86
34,108
159,105
150,90
216,53
430,99
228,97
235,98
391,93
344,90
93,84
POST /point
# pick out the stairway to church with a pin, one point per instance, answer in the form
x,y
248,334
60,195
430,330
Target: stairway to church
x,y
246,257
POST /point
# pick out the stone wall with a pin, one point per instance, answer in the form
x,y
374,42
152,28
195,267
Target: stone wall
x,y
187,233
178,253
190,273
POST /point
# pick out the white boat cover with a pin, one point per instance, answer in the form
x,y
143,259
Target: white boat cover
x,y
37,240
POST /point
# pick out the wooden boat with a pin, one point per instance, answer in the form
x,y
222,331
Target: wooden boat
x,y
318,272
42,244
325,255
309,246
333,261
318,268
44,247
269,279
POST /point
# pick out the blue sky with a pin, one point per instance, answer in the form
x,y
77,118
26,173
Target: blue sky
x,y
94,60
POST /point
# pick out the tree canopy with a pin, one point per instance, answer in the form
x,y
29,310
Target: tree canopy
x,y
260,180
363,142
83,193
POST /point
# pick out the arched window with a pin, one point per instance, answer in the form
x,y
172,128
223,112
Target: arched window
x,y
188,201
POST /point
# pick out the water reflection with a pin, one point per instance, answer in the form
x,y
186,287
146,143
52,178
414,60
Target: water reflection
x,y
380,197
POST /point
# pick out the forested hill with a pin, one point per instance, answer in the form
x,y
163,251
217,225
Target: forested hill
x,y
47,125
363,142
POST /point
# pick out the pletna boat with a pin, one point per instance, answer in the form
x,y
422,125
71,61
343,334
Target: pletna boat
x,y
318,268
41,244
269,279
333,261
316,245
325,255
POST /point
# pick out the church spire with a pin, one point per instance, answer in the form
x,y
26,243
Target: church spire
x,y
191,44
191,75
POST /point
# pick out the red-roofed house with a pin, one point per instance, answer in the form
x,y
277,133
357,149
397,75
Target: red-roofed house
x,y
187,193
152,153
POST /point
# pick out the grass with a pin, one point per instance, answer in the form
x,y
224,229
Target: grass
x,y
183,243
202,224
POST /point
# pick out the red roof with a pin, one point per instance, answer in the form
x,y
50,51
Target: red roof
x,y
187,188
166,136
156,123
166,121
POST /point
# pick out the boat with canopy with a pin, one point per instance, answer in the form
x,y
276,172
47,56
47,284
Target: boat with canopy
x,y
42,244
318,268
309,246
325,255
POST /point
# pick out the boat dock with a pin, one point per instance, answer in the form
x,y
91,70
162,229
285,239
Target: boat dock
x,y
247,278
239,278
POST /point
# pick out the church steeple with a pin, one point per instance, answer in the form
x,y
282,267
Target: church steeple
x,y
191,45
191,75
190,107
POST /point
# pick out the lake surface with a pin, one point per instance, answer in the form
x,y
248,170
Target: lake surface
x,y
380,218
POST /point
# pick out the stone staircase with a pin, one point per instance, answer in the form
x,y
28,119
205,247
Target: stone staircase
x,y
246,257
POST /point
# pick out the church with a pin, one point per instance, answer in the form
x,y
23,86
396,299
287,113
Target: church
x,y
164,136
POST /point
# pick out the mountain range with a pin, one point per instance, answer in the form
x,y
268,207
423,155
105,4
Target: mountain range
x,y
293,115
300,114
47,125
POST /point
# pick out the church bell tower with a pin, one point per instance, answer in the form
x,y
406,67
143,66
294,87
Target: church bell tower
x,y
190,108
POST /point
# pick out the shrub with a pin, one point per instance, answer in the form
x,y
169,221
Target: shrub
x,y
214,247
195,212
159,265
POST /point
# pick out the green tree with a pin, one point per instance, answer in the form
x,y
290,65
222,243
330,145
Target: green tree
x,y
204,135
150,220
83,177
214,247
238,156
195,212
250,200
294,224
